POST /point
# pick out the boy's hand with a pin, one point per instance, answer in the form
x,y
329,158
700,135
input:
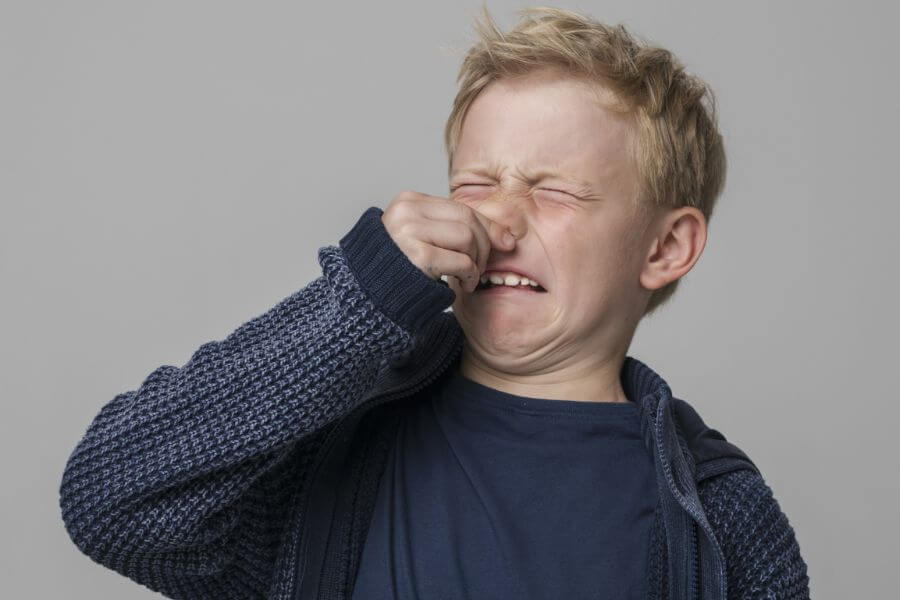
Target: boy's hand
x,y
444,237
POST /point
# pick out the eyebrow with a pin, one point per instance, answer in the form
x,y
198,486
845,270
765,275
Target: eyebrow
x,y
538,175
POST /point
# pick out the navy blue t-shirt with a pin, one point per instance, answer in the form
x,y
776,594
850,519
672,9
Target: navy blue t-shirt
x,y
488,494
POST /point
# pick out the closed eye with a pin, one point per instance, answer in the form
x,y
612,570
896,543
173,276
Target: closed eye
x,y
456,187
566,194
561,196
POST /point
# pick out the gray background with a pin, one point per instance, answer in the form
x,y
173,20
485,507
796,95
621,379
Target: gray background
x,y
169,169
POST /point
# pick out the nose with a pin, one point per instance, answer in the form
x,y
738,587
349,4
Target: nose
x,y
508,210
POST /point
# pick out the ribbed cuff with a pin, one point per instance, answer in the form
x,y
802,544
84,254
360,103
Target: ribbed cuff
x,y
395,285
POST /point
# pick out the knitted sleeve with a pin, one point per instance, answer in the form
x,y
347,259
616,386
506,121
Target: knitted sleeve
x,y
761,551
184,484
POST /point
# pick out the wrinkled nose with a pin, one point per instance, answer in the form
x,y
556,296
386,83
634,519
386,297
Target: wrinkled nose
x,y
508,210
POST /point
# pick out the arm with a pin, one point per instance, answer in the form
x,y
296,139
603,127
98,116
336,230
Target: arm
x,y
761,551
183,485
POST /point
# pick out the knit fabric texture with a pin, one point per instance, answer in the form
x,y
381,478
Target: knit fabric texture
x,y
186,484
761,550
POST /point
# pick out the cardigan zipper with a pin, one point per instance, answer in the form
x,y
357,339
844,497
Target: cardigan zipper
x,y
696,514
695,564
330,439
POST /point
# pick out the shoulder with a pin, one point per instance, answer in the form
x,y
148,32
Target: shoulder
x,y
761,551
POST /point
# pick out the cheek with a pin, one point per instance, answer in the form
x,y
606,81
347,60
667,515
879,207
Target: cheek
x,y
594,255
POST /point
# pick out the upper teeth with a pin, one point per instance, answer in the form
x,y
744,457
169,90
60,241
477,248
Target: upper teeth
x,y
507,279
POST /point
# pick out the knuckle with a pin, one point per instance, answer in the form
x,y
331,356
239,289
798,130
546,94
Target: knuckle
x,y
405,229
406,197
403,210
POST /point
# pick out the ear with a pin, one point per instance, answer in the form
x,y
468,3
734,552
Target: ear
x,y
678,239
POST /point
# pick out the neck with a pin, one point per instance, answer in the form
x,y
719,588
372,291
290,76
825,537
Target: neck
x,y
598,381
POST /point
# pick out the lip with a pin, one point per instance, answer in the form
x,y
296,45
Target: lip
x,y
505,289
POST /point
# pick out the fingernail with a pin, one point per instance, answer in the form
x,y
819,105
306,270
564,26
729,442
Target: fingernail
x,y
508,238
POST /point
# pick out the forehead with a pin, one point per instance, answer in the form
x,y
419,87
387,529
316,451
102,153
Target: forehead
x,y
544,120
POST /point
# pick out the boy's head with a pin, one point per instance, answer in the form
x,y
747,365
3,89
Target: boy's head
x,y
629,140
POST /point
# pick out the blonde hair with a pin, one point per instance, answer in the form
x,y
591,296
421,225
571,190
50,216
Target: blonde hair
x,y
678,152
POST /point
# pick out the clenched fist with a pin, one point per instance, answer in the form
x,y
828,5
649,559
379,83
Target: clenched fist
x,y
444,237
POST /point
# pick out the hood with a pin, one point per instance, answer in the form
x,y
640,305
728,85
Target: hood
x,y
713,454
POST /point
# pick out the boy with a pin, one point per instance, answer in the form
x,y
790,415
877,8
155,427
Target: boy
x,y
356,441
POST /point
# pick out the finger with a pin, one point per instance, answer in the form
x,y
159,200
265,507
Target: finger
x,y
473,237
461,238
439,261
439,207
490,233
